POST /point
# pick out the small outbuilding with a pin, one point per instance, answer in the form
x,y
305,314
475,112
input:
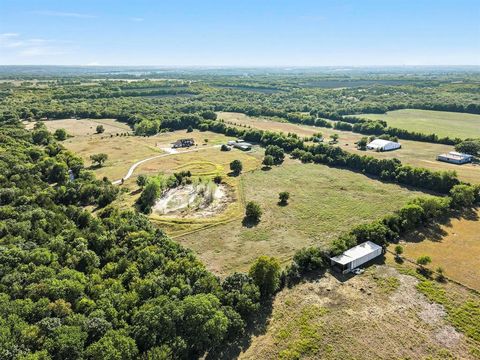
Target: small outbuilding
x,y
243,146
454,157
356,256
383,145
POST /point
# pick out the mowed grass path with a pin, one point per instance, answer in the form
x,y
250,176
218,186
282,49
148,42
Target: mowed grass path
x,y
325,202
442,123
415,153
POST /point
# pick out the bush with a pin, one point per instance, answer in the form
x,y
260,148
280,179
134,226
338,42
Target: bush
x,y
99,159
217,179
309,259
268,161
236,166
253,212
100,129
424,260
283,197
60,134
142,180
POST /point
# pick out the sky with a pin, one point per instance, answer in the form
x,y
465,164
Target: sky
x,y
240,32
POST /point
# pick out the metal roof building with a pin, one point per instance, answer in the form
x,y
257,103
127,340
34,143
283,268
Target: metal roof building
x,y
356,256
383,145
455,157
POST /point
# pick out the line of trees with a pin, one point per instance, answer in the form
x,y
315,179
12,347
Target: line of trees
x,y
386,169
420,211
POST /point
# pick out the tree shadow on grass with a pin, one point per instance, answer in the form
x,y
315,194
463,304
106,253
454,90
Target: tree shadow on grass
x,y
135,192
233,174
249,222
266,168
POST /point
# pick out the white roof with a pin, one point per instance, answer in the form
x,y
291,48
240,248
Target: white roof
x,y
455,153
356,252
380,143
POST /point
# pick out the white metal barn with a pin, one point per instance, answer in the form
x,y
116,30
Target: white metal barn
x,y
383,145
356,256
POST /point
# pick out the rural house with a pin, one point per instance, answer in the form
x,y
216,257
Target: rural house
x,y
455,158
356,256
383,145
183,143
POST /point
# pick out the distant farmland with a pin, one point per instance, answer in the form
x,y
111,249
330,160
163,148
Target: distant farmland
x,y
415,153
442,123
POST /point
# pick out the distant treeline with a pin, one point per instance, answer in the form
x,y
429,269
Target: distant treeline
x,y
386,169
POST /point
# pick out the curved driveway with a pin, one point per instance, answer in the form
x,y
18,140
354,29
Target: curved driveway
x,y
138,163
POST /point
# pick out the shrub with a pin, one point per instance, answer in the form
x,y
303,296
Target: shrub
x,y
424,260
253,212
100,129
309,259
283,197
236,166
60,134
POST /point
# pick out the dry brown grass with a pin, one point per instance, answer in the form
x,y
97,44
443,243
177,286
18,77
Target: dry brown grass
x,y
358,319
122,151
420,154
324,203
454,246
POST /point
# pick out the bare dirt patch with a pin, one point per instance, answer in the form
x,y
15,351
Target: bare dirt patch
x,y
199,200
357,319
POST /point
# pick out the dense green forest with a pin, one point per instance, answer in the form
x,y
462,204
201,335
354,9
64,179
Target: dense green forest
x,y
79,285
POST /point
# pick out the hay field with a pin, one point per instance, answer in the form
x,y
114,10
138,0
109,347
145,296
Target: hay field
x,y
442,123
325,202
415,153
454,246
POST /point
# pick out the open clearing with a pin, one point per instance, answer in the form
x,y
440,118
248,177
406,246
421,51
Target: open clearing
x,y
122,151
205,163
415,153
454,246
378,315
324,203
442,123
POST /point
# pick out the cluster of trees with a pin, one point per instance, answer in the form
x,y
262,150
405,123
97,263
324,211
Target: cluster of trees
x,y
469,146
386,169
107,286
153,186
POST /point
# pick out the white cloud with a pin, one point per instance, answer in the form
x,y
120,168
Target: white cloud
x,y
16,44
64,14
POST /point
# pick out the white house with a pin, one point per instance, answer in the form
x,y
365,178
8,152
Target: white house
x,y
383,145
455,157
356,256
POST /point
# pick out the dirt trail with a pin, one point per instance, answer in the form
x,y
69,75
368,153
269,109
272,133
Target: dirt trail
x,y
138,163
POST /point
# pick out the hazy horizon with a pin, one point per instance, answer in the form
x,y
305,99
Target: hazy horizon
x,y
211,33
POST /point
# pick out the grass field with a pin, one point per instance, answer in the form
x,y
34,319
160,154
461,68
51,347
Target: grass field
x,y
324,203
454,246
122,151
381,314
415,153
442,123
205,163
